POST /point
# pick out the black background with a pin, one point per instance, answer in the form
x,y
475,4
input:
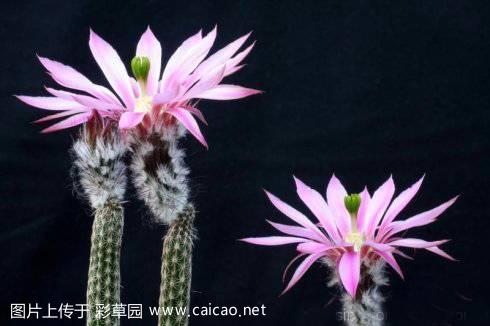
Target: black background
x,y
364,89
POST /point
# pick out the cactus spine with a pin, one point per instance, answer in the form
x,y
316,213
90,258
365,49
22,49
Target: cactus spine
x,y
176,269
101,175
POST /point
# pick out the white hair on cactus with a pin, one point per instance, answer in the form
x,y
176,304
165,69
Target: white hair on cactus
x,y
99,168
159,173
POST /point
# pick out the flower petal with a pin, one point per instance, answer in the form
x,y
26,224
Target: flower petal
x,y
335,199
297,231
68,77
130,120
388,257
377,206
58,115
401,201
440,252
312,247
113,68
149,46
227,92
350,270
301,270
416,243
318,207
209,81
69,122
361,213
295,215
51,103
232,64
421,219
178,56
188,122
273,241
219,58
197,113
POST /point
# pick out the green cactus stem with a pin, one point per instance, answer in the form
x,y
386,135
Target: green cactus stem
x,y
177,269
100,174
103,289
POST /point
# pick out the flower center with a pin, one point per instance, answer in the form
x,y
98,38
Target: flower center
x,y
143,104
355,238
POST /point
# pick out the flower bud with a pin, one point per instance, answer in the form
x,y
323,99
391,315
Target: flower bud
x,y
140,67
352,203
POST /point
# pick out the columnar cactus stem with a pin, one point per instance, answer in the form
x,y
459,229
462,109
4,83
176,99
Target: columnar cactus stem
x,y
101,174
160,177
176,269
366,309
104,270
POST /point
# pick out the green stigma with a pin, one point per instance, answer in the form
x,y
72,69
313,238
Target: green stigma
x,y
140,67
352,203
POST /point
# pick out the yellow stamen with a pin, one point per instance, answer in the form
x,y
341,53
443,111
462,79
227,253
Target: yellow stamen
x,y
143,104
355,238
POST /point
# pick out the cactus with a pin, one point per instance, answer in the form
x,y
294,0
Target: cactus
x,y
176,269
160,178
100,171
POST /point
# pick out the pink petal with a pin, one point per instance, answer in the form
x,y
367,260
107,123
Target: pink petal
x,y
149,46
178,56
301,270
130,120
402,254
189,60
231,65
188,122
168,95
197,113
69,122
297,231
335,199
416,243
388,257
318,207
273,241
59,93
361,214
227,92
219,58
377,206
96,104
379,246
68,77
440,252
59,115
113,68
421,219
312,247
197,53
400,202
51,103
349,271
289,265
209,81
294,215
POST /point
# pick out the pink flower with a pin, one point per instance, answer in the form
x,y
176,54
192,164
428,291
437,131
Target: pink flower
x,y
351,229
160,98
